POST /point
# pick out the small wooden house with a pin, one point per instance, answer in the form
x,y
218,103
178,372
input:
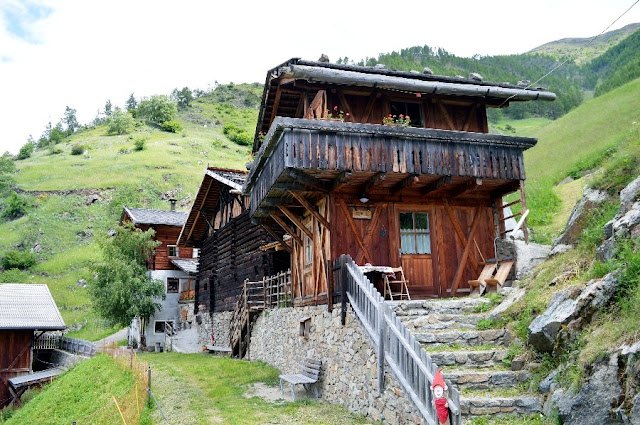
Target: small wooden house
x,y
26,311
220,226
175,266
393,168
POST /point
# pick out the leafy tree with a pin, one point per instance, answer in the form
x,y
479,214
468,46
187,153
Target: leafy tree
x,y
26,150
70,120
122,289
57,134
157,109
108,109
183,97
120,122
131,103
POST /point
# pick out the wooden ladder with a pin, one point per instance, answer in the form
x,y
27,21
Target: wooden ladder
x,y
250,302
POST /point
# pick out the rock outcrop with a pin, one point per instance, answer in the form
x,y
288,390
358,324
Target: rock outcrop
x,y
590,200
625,224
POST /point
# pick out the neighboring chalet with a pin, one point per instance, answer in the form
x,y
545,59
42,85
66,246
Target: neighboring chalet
x,y
175,266
230,246
26,312
393,168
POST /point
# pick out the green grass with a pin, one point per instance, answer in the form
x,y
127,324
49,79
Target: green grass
x,y
512,420
212,390
523,128
76,394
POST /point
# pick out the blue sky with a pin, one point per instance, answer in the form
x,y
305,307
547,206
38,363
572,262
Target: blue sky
x,y
79,53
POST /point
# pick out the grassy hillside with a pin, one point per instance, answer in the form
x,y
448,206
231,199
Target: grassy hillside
x,y
62,229
581,50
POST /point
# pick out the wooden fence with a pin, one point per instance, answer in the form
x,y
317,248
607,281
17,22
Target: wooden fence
x,y
394,343
277,290
72,345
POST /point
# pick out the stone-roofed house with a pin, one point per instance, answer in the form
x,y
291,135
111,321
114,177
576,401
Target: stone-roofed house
x,y
175,266
24,310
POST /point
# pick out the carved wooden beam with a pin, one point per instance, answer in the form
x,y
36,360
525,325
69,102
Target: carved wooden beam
x,y
435,185
410,180
312,210
286,228
296,221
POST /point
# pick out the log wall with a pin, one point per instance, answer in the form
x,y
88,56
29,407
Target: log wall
x,y
15,358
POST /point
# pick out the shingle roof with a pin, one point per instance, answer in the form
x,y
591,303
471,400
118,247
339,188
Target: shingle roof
x,y
186,265
28,306
147,216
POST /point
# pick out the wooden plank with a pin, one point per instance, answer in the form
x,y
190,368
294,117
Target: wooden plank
x,y
369,108
276,103
296,221
465,254
475,268
373,224
286,228
354,229
312,210
276,236
446,116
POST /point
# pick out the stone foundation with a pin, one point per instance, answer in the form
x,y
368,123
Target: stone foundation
x,y
217,324
349,370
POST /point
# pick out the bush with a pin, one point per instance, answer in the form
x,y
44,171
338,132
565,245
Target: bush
x,y
171,126
120,122
77,150
54,151
237,134
26,151
138,144
158,109
16,207
16,259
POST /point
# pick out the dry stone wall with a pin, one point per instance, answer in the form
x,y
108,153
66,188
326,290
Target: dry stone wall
x,y
217,324
349,370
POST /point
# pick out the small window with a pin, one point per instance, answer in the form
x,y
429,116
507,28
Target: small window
x,y
173,251
161,325
308,250
415,237
413,110
196,253
172,285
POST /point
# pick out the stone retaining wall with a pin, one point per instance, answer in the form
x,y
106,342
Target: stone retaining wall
x,y
216,323
349,370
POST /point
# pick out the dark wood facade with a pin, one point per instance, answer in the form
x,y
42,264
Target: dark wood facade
x,y
343,186
15,358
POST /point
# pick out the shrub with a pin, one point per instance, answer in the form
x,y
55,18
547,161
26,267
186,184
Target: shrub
x,y
171,126
16,207
120,122
16,259
77,150
237,134
158,109
26,151
138,144
54,151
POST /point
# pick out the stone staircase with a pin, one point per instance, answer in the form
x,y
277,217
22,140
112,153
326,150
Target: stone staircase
x,y
472,359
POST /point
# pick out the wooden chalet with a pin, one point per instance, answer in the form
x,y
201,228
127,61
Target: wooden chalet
x,y
426,197
220,226
26,311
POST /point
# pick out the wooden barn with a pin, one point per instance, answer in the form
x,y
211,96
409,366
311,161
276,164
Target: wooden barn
x,y
396,169
220,226
26,311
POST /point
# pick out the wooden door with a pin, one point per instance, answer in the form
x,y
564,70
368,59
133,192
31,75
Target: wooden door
x,y
415,246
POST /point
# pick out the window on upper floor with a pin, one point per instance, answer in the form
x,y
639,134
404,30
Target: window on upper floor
x,y
196,253
412,109
173,285
174,251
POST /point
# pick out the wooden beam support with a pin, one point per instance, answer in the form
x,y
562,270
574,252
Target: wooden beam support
x,y
195,220
340,180
410,180
347,107
276,236
287,229
435,185
465,254
471,112
276,103
305,179
369,108
354,229
374,180
296,221
300,109
470,184
446,116
312,210
505,189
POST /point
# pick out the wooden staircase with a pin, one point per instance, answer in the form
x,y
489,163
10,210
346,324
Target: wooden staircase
x,y
249,304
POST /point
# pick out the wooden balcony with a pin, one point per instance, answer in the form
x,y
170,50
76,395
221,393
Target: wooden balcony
x,y
321,156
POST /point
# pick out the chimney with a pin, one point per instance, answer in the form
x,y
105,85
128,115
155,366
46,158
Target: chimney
x,y
173,204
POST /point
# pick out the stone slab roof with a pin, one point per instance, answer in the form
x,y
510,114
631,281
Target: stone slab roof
x,y
148,216
186,265
28,306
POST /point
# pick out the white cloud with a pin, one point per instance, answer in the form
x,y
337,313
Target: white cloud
x,y
88,51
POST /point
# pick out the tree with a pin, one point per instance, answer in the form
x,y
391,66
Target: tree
x,y
183,97
57,134
158,109
7,168
122,289
70,120
131,103
108,109
120,122
26,150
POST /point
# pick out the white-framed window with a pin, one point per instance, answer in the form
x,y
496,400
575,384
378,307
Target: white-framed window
x,y
174,251
159,326
415,237
196,253
173,285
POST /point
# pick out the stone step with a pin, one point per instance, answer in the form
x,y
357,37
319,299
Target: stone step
x,y
486,379
424,307
469,358
496,406
442,321
464,338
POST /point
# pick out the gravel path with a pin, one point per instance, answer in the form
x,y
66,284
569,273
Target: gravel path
x,y
118,336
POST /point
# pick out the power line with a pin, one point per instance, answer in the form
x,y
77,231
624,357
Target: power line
x,y
569,57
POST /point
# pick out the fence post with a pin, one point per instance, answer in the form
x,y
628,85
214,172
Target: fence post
x,y
343,288
149,385
381,337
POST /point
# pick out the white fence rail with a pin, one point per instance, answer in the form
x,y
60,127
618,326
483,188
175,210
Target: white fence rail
x,y
52,341
394,343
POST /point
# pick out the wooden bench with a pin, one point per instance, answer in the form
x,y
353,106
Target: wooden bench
x,y
218,349
308,376
478,286
500,277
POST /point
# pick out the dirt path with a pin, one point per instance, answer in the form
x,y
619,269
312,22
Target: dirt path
x,y
118,336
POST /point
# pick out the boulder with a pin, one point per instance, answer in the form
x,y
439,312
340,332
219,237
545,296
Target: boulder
x,y
566,306
592,405
427,71
529,256
475,76
634,416
629,195
591,199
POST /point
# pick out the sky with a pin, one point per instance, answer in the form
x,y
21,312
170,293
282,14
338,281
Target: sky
x,y
81,53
